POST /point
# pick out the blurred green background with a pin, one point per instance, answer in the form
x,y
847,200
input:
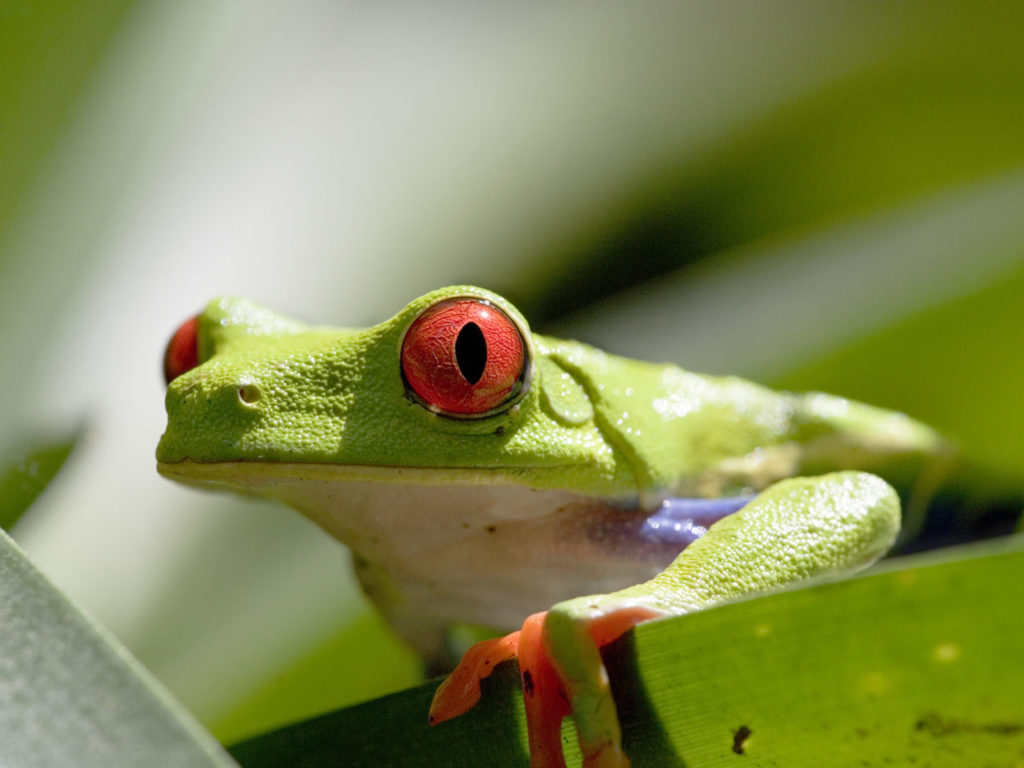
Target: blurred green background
x,y
820,195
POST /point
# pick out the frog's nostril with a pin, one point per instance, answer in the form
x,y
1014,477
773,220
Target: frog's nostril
x,y
249,394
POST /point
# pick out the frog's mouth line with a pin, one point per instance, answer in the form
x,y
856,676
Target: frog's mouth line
x,y
253,474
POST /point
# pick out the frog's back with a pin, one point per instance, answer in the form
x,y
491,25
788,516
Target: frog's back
x,y
692,434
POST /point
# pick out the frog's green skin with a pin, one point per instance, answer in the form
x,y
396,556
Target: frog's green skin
x,y
486,520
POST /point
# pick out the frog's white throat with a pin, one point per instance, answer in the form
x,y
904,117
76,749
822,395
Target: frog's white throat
x,y
436,546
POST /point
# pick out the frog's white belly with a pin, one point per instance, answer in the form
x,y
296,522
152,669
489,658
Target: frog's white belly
x,y
435,547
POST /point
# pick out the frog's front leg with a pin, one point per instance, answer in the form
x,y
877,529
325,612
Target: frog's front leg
x,y
797,529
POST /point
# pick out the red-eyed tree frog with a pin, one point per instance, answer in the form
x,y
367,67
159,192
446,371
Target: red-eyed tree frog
x,y
481,473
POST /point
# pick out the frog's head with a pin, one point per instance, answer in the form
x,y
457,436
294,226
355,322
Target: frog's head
x,y
451,383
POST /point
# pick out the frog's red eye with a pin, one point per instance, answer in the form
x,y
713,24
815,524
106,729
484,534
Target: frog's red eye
x,y
464,358
182,353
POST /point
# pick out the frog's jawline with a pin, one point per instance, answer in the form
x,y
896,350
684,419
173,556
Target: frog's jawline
x,y
437,546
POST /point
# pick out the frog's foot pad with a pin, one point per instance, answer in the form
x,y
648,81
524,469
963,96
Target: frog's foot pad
x,y
460,691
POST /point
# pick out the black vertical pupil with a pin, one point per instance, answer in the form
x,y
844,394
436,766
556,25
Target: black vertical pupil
x,y
471,352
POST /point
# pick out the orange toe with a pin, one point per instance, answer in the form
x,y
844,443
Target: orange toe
x,y
544,690
611,626
460,691
544,697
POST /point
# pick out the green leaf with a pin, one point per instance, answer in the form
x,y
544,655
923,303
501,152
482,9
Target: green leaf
x,y
48,50
393,730
28,477
361,661
917,662
72,695
953,365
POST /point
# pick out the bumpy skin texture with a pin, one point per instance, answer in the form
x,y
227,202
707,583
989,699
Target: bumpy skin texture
x,y
321,419
797,529
336,396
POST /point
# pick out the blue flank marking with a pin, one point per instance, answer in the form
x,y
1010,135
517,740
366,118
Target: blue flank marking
x,y
683,521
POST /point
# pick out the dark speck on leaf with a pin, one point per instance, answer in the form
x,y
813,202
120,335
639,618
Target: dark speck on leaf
x,y
491,528
527,683
937,725
739,739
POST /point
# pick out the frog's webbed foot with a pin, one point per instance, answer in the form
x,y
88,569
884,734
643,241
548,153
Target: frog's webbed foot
x,y
562,673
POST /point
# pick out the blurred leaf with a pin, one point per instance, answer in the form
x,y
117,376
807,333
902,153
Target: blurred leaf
x,y
28,477
362,661
915,663
48,49
940,109
957,366
777,303
72,695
